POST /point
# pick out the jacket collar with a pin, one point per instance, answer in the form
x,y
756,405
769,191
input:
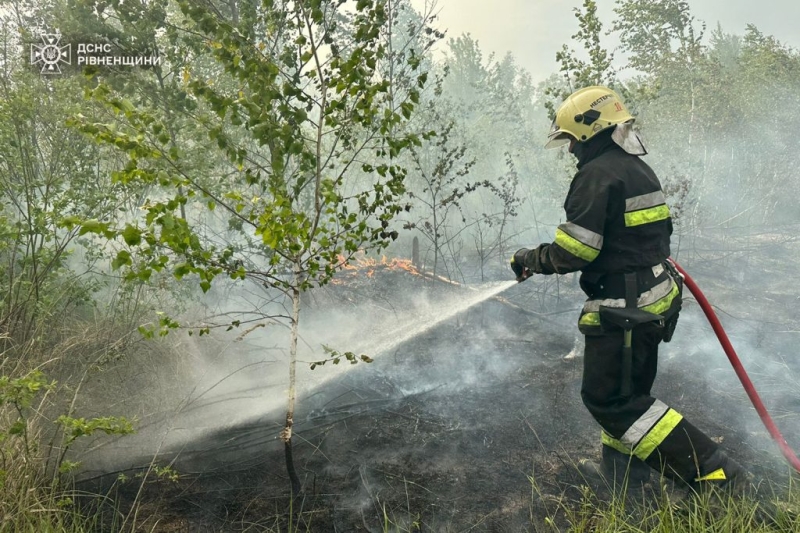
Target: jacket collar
x,y
591,149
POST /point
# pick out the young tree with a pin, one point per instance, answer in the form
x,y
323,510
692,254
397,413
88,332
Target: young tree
x,y
491,233
440,169
306,118
490,103
576,72
658,35
47,172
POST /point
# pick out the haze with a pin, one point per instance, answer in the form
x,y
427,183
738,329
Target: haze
x,y
534,31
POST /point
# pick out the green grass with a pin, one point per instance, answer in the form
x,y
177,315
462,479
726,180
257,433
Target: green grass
x,y
28,508
706,513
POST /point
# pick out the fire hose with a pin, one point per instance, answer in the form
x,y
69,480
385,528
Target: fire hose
x,y
739,369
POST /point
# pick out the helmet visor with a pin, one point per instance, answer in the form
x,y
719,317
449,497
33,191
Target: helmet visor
x,y
556,139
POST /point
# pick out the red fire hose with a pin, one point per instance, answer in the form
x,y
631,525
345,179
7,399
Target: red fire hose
x,y
737,366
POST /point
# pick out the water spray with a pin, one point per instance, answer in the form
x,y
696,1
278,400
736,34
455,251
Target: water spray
x,y
422,324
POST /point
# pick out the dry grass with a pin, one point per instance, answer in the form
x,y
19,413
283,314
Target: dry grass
x,y
36,494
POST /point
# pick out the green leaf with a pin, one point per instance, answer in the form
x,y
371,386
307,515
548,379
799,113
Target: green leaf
x,y
181,270
93,226
132,235
123,258
69,222
66,467
167,221
145,332
17,428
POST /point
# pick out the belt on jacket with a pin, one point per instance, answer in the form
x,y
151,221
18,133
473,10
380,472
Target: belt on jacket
x,y
614,286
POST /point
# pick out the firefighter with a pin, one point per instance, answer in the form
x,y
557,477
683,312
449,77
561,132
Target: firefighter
x,y
617,234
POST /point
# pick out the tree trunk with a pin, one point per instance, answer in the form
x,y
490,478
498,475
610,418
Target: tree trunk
x,y
286,434
234,12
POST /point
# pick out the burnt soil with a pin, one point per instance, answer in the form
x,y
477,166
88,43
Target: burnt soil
x,y
475,425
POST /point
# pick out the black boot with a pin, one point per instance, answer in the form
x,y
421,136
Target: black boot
x,y
616,470
720,472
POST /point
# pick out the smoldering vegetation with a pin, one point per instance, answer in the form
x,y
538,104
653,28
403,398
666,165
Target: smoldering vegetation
x,y
452,398
449,425
234,380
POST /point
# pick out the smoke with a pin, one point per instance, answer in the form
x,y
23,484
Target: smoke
x,y
695,366
426,340
465,394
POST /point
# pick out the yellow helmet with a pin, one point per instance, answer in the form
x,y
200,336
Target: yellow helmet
x,y
585,113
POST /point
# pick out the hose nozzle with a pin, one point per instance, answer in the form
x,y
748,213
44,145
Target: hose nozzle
x,y
525,275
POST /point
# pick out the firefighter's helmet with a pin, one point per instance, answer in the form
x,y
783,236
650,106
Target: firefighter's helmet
x,y
585,113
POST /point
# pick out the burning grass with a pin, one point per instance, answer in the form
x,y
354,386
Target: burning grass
x,y
367,266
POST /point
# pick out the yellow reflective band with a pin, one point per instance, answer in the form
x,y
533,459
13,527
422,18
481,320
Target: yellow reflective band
x,y
646,216
575,247
657,435
716,475
611,442
644,423
590,319
586,236
664,303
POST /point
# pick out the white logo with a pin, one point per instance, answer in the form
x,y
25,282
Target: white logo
x,y
49,54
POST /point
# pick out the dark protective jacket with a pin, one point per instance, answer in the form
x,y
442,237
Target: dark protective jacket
x,y
617,218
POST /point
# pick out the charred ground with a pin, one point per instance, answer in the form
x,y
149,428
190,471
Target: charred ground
x,y
476,423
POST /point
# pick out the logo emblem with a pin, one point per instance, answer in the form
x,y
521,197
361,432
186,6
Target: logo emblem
x,y
50,54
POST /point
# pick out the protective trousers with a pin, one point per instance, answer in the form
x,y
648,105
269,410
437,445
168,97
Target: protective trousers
x,y
640,425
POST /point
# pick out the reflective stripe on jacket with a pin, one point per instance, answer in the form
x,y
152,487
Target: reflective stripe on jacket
x,y
617,218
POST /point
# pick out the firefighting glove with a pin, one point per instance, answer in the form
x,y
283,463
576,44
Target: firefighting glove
x,y
518,264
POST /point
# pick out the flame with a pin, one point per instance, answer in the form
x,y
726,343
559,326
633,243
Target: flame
x,y
369,265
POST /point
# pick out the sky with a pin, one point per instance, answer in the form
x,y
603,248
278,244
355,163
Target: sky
x,y
534,30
